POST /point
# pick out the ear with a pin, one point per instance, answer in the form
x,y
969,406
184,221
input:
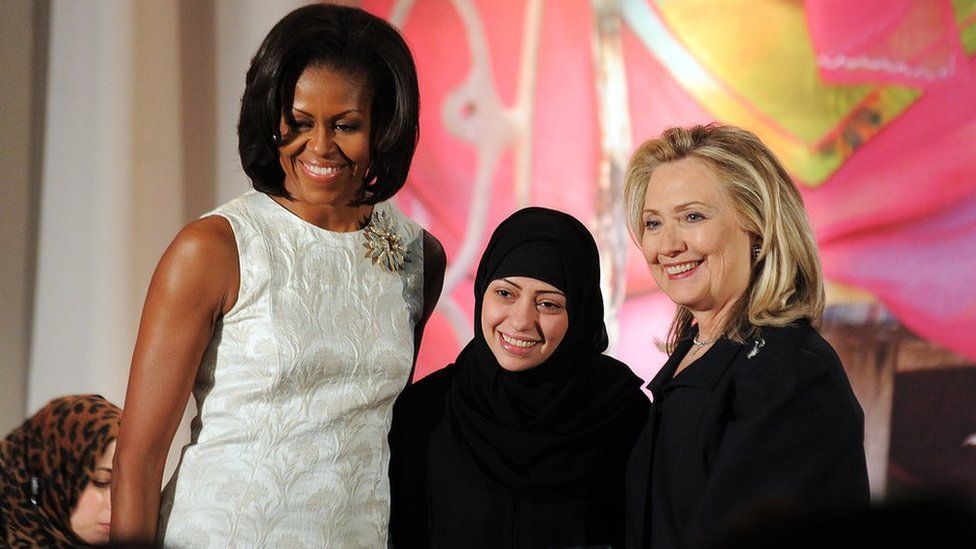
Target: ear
x,y
756,248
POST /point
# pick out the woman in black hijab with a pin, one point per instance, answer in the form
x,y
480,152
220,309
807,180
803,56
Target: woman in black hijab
x,y
523,440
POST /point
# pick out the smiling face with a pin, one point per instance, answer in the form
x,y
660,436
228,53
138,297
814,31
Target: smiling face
x,y
326,153
697,250
523,320
91,517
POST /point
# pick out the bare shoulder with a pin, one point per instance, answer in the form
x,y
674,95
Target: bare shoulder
x,y
206,243
202,261
210,236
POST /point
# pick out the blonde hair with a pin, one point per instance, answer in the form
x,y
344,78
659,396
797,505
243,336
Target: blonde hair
x,y
786,283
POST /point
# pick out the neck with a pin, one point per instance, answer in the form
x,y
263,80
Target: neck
x,y
340,219
711,324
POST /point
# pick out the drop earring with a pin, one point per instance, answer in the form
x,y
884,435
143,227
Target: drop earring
x,y
756,250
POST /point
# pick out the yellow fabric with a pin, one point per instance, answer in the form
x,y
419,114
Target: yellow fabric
x,y
761,53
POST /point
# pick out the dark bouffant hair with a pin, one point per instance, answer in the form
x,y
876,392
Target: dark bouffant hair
x,y
350,41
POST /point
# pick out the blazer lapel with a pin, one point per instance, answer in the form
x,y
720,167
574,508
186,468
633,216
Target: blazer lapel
x,y
706,372
639,466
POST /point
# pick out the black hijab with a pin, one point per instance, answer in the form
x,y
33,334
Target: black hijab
x,y
540,432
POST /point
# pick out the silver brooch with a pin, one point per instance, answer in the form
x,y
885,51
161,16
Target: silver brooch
x,y
384,246
760,343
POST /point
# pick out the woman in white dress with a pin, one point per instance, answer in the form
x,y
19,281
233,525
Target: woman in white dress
x,y
293,313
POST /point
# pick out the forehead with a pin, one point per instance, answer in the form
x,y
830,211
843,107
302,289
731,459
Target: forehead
x,y
682,181
321,83
104,461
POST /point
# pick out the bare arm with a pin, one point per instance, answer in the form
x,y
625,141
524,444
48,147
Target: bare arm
x,y
195,282
435,261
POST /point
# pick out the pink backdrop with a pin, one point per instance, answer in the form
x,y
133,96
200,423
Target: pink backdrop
x,y
511,116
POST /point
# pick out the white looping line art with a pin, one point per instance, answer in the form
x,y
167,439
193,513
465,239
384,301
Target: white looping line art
x,y
474,112
881,64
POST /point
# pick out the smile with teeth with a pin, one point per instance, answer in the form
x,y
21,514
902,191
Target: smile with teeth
x,y
679,268
323,170
518,342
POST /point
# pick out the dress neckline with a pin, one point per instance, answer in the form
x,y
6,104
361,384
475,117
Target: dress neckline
x,y
284,212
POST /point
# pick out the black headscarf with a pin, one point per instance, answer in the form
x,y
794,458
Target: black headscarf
x,y
540,432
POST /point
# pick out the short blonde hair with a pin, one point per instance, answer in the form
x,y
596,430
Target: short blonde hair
x,y
786,282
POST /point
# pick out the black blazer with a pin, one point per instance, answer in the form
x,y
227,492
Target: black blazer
x,y
773,420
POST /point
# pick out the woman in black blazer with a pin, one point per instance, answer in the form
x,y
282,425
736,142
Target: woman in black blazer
x,y
753,407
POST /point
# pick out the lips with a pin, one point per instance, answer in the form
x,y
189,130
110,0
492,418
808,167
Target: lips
x,y
681,270
322,172
523,343
515,346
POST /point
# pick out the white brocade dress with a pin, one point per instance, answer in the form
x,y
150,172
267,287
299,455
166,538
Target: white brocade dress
x,y
294,393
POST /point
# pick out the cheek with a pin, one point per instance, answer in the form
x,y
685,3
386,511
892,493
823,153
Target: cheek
x,y
286,165
719,241
362,147
356,147
555,328
485,326
708,240
90,512
490,313
86,509
649,249
734,260
287,153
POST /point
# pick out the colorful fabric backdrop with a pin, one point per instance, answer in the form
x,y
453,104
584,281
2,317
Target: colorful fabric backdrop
x,y
871,105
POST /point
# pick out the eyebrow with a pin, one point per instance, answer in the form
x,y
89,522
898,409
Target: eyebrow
x,y
557,292
339,115
680,207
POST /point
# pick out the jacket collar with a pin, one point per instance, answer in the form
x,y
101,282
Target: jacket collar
x,y
704,373
666,372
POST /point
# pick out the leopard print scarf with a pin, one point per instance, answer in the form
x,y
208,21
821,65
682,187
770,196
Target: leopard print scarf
x,y
46,463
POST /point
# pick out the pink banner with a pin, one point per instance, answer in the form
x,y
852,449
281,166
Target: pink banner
x,y
897,219
908,42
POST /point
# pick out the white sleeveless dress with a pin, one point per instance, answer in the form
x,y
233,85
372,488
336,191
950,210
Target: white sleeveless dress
x,y
294,393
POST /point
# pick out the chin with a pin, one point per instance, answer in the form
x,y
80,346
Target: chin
x,y
517,367
96,538
330,197
512,363
686,300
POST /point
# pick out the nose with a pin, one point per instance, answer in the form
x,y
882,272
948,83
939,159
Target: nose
x,y
670,242
523,315
321,140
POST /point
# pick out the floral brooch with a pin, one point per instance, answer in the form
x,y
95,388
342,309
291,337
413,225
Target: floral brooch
x,y
384,245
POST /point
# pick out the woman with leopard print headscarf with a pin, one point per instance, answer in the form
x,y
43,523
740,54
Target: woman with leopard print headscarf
x,y
55,472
